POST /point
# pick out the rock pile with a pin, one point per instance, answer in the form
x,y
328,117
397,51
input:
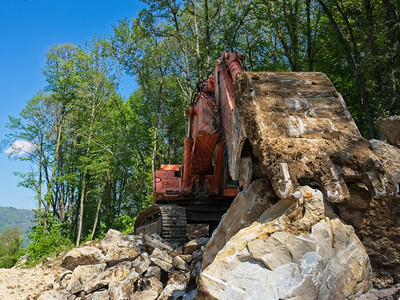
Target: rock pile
x,y
130,267
296,249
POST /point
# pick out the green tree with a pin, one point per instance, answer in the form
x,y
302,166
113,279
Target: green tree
x,y
10,246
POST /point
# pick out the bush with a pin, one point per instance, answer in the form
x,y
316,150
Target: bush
x,y
10,246
43,243
124,224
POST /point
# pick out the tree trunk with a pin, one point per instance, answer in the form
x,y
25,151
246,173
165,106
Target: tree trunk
x,y
81,207
196,30
96,220
53,173
83,191
207,37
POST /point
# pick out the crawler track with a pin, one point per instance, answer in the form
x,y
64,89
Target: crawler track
x,y
167,220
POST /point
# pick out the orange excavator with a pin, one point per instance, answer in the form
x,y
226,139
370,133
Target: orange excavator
x,y
200,190
292,128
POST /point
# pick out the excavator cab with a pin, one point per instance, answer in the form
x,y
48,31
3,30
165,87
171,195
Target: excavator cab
x,y
167,182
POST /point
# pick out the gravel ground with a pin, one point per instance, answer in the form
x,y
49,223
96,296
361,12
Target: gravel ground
x,y
21,284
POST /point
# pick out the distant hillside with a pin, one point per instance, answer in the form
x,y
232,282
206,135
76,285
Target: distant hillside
x,y
21,218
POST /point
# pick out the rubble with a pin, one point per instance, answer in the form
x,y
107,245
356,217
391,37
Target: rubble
x,y
130,267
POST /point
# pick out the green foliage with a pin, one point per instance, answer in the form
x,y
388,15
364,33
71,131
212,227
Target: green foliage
x,y
124,224
10,246
43,243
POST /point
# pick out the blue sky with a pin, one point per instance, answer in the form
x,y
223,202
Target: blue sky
x,y
28,28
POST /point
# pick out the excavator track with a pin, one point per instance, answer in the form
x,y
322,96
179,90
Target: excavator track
x,y
167,220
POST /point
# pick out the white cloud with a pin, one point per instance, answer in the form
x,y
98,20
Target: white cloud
x,y
20,148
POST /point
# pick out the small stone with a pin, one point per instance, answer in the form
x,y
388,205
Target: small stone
x,y
178,277
151,243
186,257
152,283
196,270
157,253
153,271
141,263
197,255
167,267
170,289
100,295
180,264
193,245
145,295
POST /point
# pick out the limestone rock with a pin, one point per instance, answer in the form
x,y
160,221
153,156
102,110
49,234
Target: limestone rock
x,y
82,275
104,279
292,250
153,284
390,160
390,129
180,264
153,271
125,288
150,243
193,245
82,256
186,257
246,207
119,247
157,253
145,295
114,237
170,289
178,277
141,263
167,267
101,295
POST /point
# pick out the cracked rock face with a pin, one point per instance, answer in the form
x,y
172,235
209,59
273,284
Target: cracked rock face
x,y
293,249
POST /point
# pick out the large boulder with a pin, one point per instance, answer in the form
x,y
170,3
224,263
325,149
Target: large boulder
x,y
82,256
245,209
293,250
118,247
83,275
